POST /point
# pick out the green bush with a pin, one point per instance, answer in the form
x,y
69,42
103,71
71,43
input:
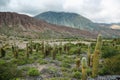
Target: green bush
x,y
66,65
112,65
77,75
33,72
109,52
65,69
57,78
8,71
42,61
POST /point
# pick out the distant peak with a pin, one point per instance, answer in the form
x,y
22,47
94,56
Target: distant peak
x,y
55,12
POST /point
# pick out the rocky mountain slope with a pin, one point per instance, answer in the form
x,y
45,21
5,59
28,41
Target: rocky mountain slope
x,y
67,19
14,24
77,21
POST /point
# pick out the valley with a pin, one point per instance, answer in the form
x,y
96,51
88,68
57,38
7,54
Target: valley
x,y
69,47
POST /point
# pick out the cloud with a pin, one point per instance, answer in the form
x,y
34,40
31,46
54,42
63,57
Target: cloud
x,y
4,2
95,10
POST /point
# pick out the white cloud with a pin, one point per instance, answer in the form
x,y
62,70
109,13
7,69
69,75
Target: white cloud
x,y
96,10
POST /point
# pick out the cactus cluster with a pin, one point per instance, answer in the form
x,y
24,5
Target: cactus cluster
x,y
47,49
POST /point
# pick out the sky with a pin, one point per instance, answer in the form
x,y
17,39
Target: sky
x,y
101,11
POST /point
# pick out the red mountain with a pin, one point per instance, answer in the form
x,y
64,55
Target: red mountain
x,y
14,24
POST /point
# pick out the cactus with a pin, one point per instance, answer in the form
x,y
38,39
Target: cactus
x,y
84,68
3,52
42,47
88,55
77,63
66,48
91,60
96,56
60,47
99,42
46,49
31,47
27,51
95,63
79,50
37,47
15,51
54,53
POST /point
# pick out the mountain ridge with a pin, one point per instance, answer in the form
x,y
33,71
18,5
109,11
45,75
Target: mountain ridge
x,y
26,26
75,20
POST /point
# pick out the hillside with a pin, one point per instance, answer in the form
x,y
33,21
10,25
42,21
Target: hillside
x,y
14,24
67,19
77,21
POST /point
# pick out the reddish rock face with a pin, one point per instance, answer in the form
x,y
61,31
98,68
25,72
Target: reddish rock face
x,y
26,25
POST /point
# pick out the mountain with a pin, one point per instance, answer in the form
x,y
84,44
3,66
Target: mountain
x,y
77,21
115,26
14,24
67,19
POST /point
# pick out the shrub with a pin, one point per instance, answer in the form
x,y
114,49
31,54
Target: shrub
x,y
65,69
42,61
8,71
19,61
75,50
109,52
66,65
33,72
112,66
77,75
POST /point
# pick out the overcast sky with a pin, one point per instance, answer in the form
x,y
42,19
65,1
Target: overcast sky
x,y
96,10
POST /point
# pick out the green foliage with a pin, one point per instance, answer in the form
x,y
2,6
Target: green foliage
x,y
60,58
66,65
77,75
8,71
65,69
22,61
111,66
109,51
75,50
68,60
41,61
58,78
33,72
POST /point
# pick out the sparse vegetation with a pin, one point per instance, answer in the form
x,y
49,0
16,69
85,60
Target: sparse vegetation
x,y
59,61
33,72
